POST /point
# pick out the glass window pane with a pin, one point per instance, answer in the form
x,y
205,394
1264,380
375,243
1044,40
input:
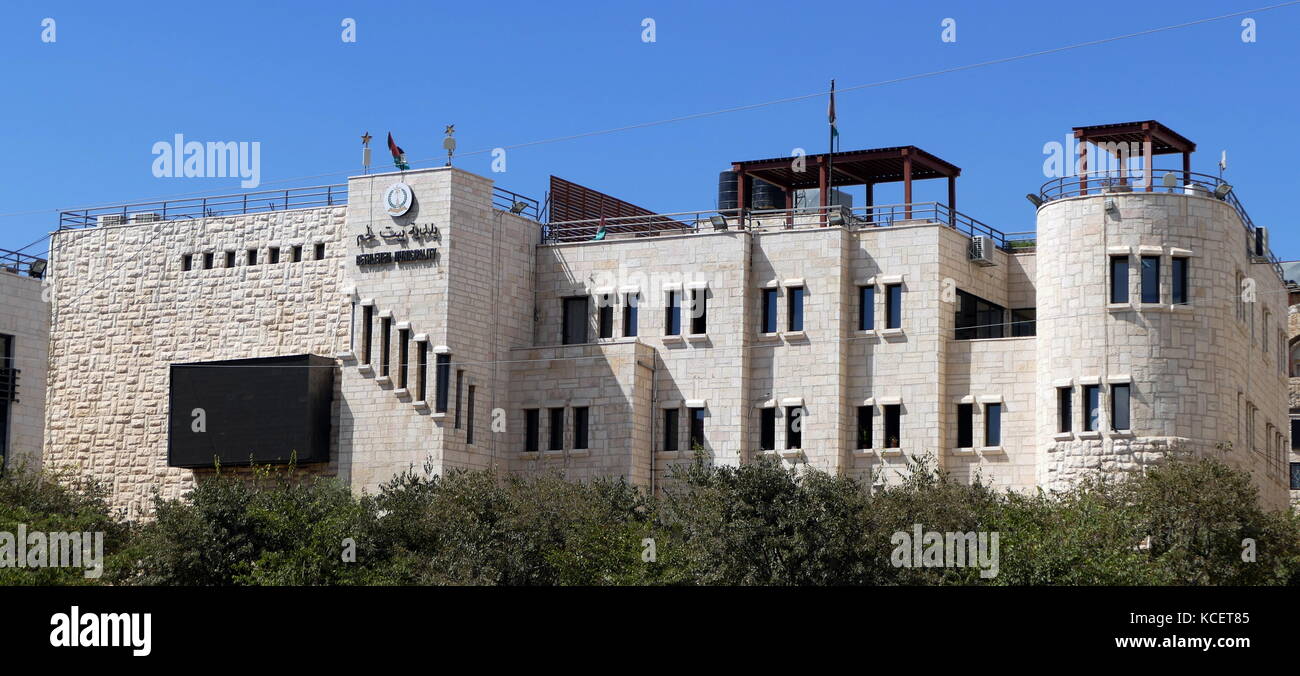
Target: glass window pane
x,y
1119,279
1150,279
867,308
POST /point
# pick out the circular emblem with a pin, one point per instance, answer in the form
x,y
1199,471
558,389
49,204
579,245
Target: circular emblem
x,y
397,199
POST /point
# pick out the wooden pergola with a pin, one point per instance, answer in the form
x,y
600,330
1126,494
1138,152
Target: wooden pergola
x,y
828,171
1156,139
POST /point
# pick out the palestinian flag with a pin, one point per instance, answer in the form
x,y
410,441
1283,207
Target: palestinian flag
x,y
600,232
399,155
830,115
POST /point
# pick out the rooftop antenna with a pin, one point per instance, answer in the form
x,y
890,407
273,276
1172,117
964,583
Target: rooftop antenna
x,y
449,142
365,153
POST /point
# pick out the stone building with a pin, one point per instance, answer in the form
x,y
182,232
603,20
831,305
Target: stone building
x,y
1144,319
24,340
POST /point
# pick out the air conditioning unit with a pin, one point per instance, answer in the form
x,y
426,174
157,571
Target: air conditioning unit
x,y
981,250
1259,248
145,217
110,219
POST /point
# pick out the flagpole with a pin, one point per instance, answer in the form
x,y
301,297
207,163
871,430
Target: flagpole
x,y
830,156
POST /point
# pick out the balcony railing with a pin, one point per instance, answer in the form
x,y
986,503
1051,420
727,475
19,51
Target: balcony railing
x,y
1170,181
17,263
690,222
246,203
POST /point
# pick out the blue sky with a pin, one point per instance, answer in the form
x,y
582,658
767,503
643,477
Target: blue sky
x,y
81,114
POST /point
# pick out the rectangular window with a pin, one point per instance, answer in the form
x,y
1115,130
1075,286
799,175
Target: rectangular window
x,y
580,427
367,331
992,424
532,429
699,311
297,253
1150,279
1091,408
1064,409
403,355
230,259
1295,434
866,308
769,311
893,425
441,382
864,426
978,318
894,306
251,257
556,442
574,320
1119,279
422,370
273,255
630,314
469,417
1179,271
385,343
670,429
320,251
460,383
208,260
186,262
1023,321
965,425
605,317
1119,400
1295,476
794,308
673,314
794,427
697,428
767,429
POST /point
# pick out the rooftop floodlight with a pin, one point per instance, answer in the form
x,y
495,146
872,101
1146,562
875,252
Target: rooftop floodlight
x,y
1221,191
37,268
1034,199
719,222
518,207
837,216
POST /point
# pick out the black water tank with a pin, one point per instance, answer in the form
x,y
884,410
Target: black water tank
x,y
727,191
767,196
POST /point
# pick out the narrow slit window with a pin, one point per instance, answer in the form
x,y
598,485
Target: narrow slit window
x,y
297,253
894,306
794,309
767,429
1091,408
580,430
403,355
605,322
442,382
1119,407
699,311
469,417
208,260
320,251
422,370
385,343
230,259
769,311
1179,273
697,428
367,331
460,383
532,429
793,427
632,300
673,314
1150,279
893,426
273,255
864,426
251,256
186,262
993,424
866,308
965,425
670,428
1119,279
1064,409
556,441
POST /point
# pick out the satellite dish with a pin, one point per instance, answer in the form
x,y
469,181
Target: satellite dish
x,y
1169,180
